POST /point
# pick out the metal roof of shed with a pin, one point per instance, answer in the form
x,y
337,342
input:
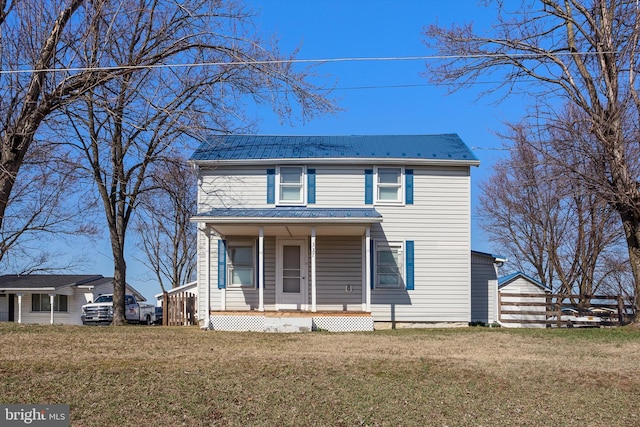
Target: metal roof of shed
x,y
443,147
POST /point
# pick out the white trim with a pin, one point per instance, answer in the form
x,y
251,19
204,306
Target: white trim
x,y
231,243
261,270
304,271
367,271
52,299
339,161
207,276
19,307
401,189
401,259
286,220
313,271
303,187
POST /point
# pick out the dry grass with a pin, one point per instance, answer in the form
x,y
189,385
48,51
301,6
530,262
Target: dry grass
x,y
183,376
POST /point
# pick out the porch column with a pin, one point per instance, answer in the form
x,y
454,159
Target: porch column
x,y
366,286
261,270
313,270
207,276
19,308
52,298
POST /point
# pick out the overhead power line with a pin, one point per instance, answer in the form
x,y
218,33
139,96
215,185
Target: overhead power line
x,y
296,61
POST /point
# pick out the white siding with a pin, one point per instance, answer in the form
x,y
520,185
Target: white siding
x,y
522,286
438,222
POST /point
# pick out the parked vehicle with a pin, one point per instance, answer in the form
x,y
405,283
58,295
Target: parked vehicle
x,y
158,316
101,311
572,318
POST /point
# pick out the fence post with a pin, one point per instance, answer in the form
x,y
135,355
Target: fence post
x,y
620,310
165,305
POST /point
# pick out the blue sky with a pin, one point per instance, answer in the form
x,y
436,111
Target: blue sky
x,y
378,97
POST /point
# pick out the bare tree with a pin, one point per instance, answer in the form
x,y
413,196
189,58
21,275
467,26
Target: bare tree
x,y
42,208
128,124
581,53
549,226
167,237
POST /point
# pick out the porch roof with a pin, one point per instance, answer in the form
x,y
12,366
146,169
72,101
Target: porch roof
x,y
289,221
290,215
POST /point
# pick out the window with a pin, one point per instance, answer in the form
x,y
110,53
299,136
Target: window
x,y
240,265
41,302
389,185
389,265
291,185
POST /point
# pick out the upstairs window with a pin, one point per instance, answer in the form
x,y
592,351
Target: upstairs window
x,y
389,185
291,185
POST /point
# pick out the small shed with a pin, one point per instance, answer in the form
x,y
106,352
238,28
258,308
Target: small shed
x,y
520,299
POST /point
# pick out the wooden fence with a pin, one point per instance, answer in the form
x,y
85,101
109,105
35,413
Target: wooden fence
x,y
546,310
178,309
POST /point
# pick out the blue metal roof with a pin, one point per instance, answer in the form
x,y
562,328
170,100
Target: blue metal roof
x,y
265,147
292,213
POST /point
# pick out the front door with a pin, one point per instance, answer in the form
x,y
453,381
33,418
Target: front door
x,y
291,278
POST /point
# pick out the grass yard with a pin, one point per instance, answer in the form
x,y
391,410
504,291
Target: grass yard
x,y
164,376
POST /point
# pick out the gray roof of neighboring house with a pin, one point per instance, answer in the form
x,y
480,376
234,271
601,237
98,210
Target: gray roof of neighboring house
x,y
38,282
302,213
443,147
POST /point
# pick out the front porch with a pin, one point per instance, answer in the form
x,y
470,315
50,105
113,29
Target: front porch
x,y
290,321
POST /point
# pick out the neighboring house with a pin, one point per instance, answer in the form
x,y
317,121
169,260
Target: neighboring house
x,y
516,311
484,287
51,298
333,232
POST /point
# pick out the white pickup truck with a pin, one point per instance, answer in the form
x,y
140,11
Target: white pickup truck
x,y
101,311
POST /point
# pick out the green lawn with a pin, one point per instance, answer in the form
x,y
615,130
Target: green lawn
x,y
170,376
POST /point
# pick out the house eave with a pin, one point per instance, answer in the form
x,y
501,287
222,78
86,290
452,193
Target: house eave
x,y
28,290
338,161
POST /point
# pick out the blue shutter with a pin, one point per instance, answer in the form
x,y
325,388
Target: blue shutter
x,y
368,186
311,186
222,264
408,248
408,178
271,186
372,273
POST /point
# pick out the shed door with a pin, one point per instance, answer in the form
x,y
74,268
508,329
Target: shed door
x,y
291,280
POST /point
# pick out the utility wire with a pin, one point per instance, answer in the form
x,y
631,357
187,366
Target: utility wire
x,y
297,61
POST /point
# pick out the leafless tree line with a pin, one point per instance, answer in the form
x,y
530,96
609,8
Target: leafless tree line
x,y
577,61
103,83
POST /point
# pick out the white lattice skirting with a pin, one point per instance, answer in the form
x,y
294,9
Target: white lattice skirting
x,y
255,323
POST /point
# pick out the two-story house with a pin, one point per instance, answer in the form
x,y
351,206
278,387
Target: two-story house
x,y
333,232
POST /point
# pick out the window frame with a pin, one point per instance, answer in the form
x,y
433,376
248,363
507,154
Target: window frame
x,y
230,263
302,200
400,245
56,303
400,200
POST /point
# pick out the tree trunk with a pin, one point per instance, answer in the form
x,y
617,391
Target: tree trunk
x,y
631,224
119,287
